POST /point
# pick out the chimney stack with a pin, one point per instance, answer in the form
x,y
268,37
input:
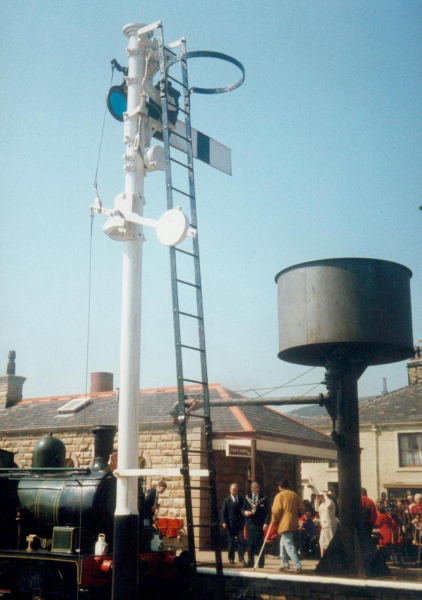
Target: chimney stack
x,y
414,367
101,382
384,386
10,384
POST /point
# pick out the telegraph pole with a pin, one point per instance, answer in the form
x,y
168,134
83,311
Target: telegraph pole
x,y
126,520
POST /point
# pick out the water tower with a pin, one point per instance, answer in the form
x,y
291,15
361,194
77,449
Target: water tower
x,y
346,314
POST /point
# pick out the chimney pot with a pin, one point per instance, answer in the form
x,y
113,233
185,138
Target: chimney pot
x,y
11,366
384,386
414,368
101,382
10,384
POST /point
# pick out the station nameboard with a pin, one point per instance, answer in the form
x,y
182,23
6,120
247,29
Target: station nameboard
x,y
240,448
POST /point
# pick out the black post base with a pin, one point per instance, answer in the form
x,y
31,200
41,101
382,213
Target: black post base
x,y
352,553
125,557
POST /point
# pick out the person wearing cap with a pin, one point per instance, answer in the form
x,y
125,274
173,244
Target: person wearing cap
x,y
286,509
327,517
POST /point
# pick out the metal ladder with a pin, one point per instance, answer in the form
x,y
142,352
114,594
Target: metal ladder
x,y
180,316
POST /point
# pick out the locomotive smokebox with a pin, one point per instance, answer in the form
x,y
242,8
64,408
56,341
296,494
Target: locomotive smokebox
x,y
356,306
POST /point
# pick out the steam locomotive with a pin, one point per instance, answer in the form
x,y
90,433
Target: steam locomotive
x,y
55,523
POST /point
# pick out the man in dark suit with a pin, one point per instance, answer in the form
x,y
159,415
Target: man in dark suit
x,y
256,516
151,502
233,522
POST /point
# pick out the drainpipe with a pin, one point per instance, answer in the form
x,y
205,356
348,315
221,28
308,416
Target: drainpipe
x,y
253,461
374,428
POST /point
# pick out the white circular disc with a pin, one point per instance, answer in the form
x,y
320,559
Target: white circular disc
x,y
172,227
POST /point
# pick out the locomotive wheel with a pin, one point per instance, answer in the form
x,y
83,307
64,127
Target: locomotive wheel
x,y
37,582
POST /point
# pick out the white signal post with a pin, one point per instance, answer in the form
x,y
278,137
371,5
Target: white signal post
x,y
125,224
125,572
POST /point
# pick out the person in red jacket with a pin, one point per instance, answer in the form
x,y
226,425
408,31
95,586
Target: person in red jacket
x,y
368,512
388,528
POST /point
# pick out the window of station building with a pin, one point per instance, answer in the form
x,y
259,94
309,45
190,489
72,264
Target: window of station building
x,y
410,449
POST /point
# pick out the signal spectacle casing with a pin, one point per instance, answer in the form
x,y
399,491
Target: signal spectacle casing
x,y
357,306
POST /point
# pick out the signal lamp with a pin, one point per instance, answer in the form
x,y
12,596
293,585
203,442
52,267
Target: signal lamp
x,y
117,101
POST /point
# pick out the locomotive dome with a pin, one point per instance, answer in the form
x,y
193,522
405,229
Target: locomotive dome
x,y
49,451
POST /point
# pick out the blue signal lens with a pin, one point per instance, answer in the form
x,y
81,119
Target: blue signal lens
x,y
117,101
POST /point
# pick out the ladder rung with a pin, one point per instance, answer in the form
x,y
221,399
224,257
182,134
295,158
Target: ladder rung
x,y
195,381
192,348
203,525
181,164
171,52
189,314
197,417
176,80
197,451
188,283
184,111
181,136
207,489
185,194
185,252
170,103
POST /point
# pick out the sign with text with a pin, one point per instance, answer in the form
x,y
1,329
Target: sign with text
x,y
240,448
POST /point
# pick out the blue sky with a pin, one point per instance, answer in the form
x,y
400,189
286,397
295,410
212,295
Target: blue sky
x,y
326,141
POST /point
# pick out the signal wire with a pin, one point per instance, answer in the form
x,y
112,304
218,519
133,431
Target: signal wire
x,y
273,389
102,135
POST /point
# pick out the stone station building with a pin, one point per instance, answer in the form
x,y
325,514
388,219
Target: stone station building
x,y
390,432
250,442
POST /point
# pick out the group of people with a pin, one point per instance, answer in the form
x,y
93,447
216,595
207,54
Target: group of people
x,y
252,516
247,519
399,521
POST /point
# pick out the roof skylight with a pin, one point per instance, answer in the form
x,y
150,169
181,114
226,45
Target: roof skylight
x,y
75,405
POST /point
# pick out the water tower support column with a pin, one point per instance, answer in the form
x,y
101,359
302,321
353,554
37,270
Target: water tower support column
x,y
351,552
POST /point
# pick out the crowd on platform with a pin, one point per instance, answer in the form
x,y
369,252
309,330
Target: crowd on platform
x,y
306,528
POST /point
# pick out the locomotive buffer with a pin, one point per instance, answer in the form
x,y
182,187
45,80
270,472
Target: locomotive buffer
x,y
151,111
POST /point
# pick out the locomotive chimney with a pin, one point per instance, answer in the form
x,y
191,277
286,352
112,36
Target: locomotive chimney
x,y
10,384
103,446
101,382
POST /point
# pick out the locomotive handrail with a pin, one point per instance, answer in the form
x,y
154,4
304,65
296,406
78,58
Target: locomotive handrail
x,y
170,472
32,469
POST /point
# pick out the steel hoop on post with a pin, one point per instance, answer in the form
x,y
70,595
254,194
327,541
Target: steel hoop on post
x,y
210,54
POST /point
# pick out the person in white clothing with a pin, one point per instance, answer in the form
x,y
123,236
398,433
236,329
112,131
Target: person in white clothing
x,y
327,517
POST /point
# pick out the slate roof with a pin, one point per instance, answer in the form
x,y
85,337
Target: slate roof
x,y
155,404
401,406
310,414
